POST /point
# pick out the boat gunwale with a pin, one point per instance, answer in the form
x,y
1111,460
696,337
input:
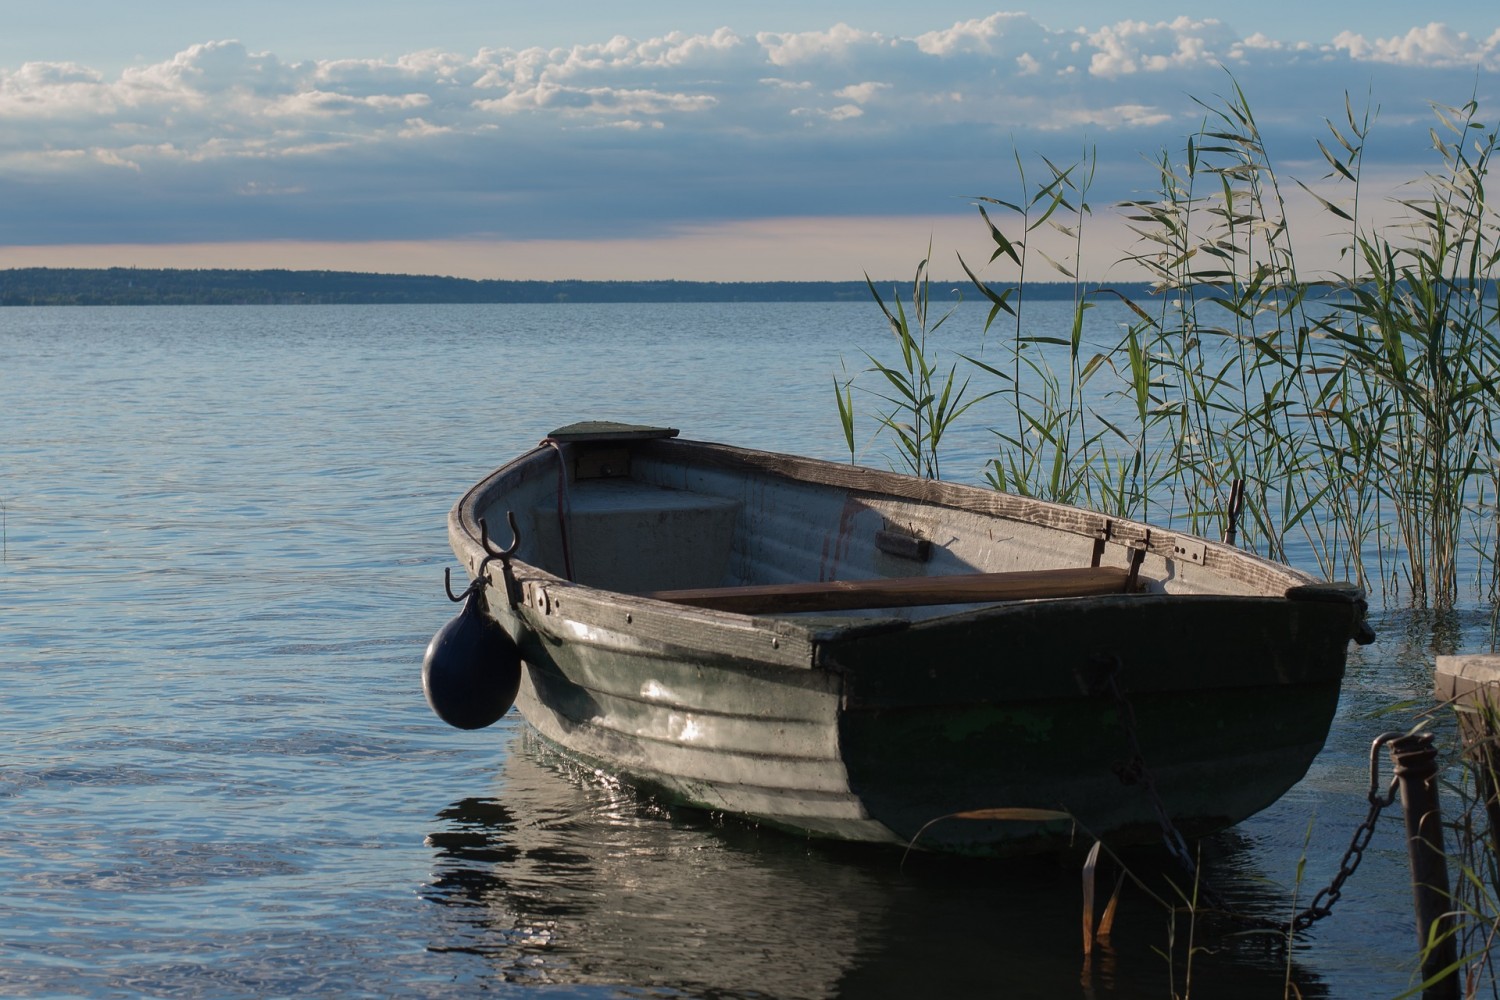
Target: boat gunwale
x,y
786,640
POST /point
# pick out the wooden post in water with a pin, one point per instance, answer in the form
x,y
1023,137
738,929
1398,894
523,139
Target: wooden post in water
x,y
1416,774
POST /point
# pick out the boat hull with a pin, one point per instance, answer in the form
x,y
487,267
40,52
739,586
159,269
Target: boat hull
x,y
1100,712
1201,707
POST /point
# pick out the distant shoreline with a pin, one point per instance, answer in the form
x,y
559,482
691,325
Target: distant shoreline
x,y
125,286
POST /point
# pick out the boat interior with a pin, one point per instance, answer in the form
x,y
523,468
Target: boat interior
x,y
669,520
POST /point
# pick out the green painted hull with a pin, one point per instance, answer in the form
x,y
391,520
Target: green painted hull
x,y
1086,711
1211,690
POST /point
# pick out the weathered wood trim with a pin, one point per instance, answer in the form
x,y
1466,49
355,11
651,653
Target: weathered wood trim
x,y
625,621
905,591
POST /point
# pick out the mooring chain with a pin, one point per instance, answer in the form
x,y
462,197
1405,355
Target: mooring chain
x,y
1322,903
1136,771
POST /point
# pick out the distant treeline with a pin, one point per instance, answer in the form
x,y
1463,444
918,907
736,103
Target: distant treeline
x,y
128,286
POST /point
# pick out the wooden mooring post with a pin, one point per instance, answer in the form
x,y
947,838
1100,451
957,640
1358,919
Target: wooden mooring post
x,y
1417,778
1471,684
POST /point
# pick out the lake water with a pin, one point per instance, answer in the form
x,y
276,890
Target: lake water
x,y
222,541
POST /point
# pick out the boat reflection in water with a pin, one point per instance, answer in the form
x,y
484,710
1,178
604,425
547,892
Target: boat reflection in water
x,y
569,878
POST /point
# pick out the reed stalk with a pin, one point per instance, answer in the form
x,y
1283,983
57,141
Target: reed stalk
x,y
1359,407
1422,326
918,401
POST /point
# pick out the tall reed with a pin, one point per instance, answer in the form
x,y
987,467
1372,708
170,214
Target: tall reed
x,y
1050,440
1359,408
918,400
1421,323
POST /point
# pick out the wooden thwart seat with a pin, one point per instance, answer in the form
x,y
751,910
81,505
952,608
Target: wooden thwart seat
x,y
906,591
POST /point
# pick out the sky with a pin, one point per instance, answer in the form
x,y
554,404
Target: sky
x,y
777,140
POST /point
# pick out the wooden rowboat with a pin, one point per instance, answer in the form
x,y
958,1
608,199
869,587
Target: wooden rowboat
x,y
854,654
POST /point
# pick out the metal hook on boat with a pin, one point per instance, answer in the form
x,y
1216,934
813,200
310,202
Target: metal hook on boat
x,y
496,553
512,588
472,669
448,586
492,553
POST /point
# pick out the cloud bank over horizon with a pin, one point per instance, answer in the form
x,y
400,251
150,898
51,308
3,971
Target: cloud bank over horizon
x,y
637,138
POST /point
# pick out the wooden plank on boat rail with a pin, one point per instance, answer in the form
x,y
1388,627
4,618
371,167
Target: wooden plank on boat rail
x,y
905,591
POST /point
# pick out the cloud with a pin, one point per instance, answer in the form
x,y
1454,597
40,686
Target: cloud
x,y
594,101
1433,46
1140,47
626,137
999,35
861,93
840,43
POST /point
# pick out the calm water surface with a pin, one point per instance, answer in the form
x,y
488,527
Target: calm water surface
x,y
221,559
